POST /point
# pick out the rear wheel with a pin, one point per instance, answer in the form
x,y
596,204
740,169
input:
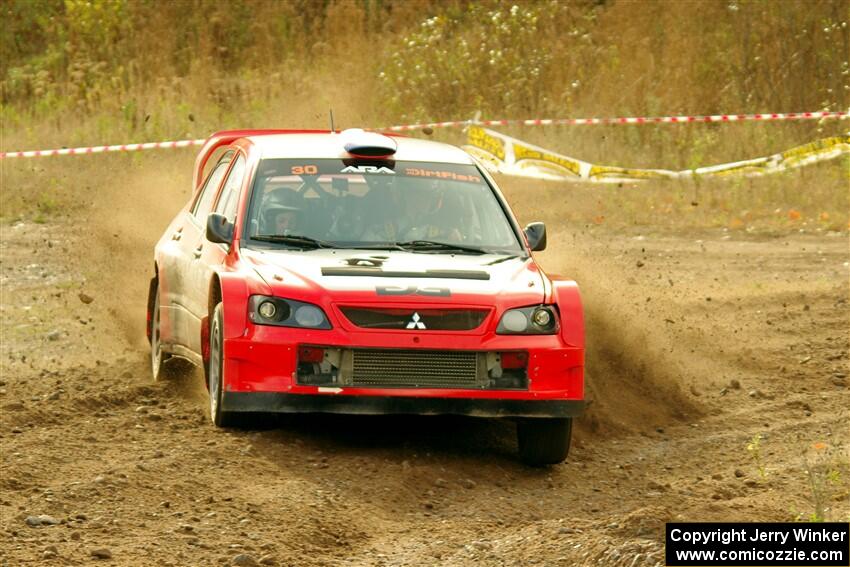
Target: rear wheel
x,y
158,357
163,365
544,441
218,416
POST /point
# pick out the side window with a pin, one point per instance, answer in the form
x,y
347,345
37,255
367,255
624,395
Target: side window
x,y
205,201
229,199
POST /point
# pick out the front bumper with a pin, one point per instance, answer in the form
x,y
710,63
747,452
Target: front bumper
x,y
273,402
260,375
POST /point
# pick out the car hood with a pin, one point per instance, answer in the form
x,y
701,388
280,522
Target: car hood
x,y
359,275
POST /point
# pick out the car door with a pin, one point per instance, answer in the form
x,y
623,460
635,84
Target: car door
x,y
206,255
184,320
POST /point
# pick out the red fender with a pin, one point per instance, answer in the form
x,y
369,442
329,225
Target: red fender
x,y
235,291
568,298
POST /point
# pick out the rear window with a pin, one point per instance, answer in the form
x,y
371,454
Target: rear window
x,y
349,203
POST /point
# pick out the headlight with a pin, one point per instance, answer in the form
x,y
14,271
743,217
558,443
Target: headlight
x,y
514,321
534,320
265,310
541,318
309,316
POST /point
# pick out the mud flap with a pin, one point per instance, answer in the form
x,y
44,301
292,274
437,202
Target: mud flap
x,y
205,347
151,299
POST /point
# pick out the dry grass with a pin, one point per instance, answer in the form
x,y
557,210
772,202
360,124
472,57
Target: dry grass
x,y
809,200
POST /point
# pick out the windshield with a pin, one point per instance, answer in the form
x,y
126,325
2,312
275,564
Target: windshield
x,y
431,207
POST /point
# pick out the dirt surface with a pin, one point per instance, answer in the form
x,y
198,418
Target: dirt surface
x,y
699,345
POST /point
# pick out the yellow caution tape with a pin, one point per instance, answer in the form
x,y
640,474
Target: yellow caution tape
x,y
510,156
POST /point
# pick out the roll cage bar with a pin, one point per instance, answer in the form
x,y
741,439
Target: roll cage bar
x,y
227,137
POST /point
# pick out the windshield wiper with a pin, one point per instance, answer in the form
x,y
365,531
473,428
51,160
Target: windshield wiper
x,y
428,245
374,246
502,259
294,240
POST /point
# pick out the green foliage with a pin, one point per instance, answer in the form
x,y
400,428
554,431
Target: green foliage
x,y
433,59
29,30
540,57
490,59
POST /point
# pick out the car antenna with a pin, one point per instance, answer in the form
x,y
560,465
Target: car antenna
x,y
331,112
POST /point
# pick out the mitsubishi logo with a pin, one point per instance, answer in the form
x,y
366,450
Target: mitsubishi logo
x,y
415,323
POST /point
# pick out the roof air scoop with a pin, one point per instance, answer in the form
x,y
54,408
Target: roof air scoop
x,y
370,145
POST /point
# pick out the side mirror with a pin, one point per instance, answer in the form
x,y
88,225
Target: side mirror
x,y
536,235
219,229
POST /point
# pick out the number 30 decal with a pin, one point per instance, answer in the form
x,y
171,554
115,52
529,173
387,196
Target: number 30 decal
x,y
304,170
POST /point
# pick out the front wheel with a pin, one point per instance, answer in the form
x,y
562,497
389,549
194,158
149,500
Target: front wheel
x,y
545,440
218,416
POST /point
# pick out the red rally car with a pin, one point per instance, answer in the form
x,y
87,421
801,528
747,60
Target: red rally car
x,y
363,273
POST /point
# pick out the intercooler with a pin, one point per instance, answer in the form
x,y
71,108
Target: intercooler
x,y
417,369
404,368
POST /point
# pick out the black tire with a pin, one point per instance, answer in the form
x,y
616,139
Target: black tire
x,y
218,416
544,441
163,365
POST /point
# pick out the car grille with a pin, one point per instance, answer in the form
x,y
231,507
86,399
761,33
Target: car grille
x,y
415,319
415,369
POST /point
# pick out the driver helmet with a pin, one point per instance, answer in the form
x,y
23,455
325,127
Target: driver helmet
x,y
281,195
279,218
